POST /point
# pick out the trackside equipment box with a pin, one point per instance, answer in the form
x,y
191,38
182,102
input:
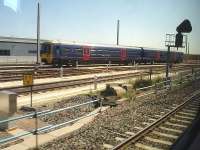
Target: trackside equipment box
x,y
8,107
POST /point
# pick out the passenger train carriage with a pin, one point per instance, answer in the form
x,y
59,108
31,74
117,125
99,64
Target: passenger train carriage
x,y
59,54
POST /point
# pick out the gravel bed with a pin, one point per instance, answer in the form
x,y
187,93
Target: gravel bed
x,y
121,119
66,115
79,140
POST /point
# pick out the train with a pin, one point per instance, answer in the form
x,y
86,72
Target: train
x,y
72,54
192,58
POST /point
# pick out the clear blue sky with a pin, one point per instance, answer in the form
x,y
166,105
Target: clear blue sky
x,y
143,22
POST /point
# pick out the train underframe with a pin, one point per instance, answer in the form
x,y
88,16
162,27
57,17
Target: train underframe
x,y
72,62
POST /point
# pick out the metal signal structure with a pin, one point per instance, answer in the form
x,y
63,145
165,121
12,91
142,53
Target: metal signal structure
x,y
174,40
171,40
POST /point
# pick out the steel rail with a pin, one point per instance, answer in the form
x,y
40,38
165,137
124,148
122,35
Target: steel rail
x,y
42,71
53,85
140,134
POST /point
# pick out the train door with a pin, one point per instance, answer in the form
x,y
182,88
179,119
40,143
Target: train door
x,y
158,56
142,55
123,54
86,53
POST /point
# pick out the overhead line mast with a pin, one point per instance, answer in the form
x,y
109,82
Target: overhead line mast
x,y
118,23
38,34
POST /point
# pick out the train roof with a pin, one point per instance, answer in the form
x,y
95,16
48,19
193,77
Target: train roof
x,y
34,41
103,45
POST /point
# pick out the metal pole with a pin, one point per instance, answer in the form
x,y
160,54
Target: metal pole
x,y
77,64
61,72
101,103
167,64
118,22
95,82
31,95
188,48
36,129
186,44
38,34
155,90
150,73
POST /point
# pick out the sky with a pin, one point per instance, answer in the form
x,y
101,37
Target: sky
x,y
142,22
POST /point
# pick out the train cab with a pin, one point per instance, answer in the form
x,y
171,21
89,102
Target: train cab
x,y
46,53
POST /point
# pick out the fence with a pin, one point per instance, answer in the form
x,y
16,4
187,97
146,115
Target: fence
x,y
36,114
157,87
166,85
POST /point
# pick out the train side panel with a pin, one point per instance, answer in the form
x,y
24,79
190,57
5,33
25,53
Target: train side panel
x,y
134,55
69,54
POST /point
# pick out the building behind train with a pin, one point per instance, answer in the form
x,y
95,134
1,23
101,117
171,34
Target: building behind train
x,y
18,50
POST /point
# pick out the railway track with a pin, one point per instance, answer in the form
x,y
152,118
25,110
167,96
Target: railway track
x,y
164,130
42,87
18,75
110,133
69,84
14,75
116,125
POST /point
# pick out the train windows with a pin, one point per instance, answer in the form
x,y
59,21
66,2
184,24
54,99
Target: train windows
x,y
46,48
57,51
65,51
4,52
78,50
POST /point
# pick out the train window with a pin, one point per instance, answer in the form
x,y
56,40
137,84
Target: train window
x,y
57,50
4,52
65,51
46,48
78,49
